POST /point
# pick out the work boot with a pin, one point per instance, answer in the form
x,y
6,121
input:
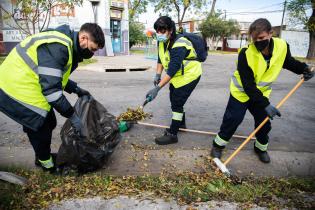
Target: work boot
x,y
262,155
53,155
167,138
183,123
216,152
51,170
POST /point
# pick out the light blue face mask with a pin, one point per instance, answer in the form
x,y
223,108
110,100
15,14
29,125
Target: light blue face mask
x,y
161,37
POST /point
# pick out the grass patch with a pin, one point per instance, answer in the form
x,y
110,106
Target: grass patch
x,y
306,60
2,59
137,52
87,61
220,52
186,188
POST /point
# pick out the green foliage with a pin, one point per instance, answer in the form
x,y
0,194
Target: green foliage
x,y
136,33
297,16
297,12
133,51
137,7
87,61
180,6
216,27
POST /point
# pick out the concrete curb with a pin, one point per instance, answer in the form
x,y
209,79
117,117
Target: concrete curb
x,y
139,162
125,202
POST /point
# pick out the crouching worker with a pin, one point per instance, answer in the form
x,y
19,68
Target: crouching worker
x,y
259,65
178,57
34,76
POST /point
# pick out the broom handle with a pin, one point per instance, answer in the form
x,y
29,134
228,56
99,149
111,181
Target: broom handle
x,y
263,122
187,130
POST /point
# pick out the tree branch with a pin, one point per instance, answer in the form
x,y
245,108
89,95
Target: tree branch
x,y
185,9
178,11
19,27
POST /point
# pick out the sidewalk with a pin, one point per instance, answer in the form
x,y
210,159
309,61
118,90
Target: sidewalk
x,y
134,159
120,63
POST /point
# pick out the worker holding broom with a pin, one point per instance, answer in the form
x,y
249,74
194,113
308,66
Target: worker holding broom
x,y
178,57
258,66
34,76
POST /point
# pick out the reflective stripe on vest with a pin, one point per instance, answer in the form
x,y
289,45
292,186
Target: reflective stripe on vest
x,y
49,71
19,73
192,68
266,85
263,77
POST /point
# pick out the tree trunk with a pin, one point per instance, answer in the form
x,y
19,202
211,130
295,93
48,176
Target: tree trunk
x,y
212,7
311,48
179,20
311,27
216,44
213,40
1,21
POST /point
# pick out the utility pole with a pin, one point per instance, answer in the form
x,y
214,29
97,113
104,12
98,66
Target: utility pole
x,y
284,7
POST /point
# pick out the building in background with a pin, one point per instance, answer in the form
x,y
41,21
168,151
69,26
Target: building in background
x,y
2,50
236,41
190,26
111,15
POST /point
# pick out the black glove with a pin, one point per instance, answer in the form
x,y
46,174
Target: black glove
x,y
153,93
157,79
77,124
272,111
81,92
308,73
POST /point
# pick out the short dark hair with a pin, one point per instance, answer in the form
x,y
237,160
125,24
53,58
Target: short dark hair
x,y
95,32
260,25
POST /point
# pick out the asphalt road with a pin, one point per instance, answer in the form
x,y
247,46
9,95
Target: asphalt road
x,y
293,132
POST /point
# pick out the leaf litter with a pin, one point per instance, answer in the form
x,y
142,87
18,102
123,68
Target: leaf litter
x,y
184,186
136,114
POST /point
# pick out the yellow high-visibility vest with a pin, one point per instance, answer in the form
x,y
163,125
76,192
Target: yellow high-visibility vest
x,y
192,68
19,72
263,77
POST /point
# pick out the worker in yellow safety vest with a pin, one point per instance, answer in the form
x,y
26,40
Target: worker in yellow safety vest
x,y
177,56
258,66
34,76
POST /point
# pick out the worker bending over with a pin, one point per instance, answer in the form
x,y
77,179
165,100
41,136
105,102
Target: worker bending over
x,y
34,76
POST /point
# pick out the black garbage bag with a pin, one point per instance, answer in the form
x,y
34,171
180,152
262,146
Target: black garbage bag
x,y
87,154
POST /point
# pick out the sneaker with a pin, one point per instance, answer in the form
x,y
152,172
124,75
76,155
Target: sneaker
x,y
167,138
262,155
216,152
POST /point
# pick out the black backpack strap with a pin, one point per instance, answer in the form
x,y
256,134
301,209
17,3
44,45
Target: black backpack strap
x,y
180,35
